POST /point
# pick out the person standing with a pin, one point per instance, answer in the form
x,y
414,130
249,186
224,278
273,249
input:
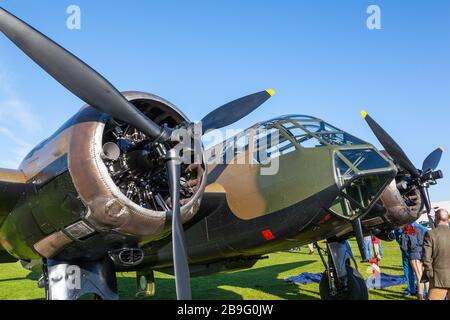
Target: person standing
x,y
377,248
311,248
408,271
436,257
368,248
412,242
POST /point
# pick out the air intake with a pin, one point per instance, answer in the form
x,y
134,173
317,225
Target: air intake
x,y
130,256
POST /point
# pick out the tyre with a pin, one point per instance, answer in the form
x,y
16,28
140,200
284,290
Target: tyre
x,y
357,288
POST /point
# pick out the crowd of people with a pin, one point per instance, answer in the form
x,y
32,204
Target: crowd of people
x,y
426,258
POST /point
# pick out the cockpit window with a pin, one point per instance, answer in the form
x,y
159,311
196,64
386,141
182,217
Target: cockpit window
x,y
293,131
310,132
269,143
365,159
343,170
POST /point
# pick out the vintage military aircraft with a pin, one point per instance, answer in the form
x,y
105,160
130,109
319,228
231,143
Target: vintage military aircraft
x,y
110,190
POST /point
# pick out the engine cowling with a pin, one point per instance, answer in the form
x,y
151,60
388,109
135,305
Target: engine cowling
x,y
398,206
401,209
123,192
97,179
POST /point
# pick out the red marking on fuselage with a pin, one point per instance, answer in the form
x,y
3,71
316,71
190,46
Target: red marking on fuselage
x,y
268,235
326,218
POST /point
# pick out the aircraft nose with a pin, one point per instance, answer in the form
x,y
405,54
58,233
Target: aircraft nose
x,y
361,175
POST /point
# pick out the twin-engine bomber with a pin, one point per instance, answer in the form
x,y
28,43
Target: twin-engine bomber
x,y
110,190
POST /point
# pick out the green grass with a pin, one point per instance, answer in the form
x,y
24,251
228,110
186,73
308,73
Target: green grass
x,y
264,281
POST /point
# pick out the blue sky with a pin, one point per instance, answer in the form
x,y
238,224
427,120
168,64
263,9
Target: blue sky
x,y
319,56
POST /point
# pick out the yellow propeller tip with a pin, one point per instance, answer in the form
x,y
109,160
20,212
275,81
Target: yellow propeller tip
x,y
364,113
271,92
442,149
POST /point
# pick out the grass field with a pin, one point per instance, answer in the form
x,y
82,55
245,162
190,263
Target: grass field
x,y
264,281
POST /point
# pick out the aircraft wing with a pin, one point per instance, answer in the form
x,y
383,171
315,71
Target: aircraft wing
x,y
12,186
5,257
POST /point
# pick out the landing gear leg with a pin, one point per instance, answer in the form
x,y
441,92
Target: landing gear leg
x,y
340,281
68,281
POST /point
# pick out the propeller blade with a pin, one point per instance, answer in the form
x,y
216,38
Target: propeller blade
x,y
426,199
432,161
427,202
235,110
74,74
180,260
357,229
391,146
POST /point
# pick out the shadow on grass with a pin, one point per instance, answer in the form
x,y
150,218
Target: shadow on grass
x,y
392,268
31,276
13,279
263,279
390,295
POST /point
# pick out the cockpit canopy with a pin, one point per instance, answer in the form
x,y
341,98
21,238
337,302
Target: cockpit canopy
x,y
282,135
359,170
311,132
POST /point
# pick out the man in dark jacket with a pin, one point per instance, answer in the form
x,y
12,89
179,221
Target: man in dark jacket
x,y
436,258
412,242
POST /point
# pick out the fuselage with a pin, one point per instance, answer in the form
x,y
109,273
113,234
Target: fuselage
x,y
294,197
259,195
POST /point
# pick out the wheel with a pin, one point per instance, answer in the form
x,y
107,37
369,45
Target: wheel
x,y
357,288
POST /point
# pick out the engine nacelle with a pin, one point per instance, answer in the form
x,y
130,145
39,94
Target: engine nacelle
x,y
104,185
397,207
109,200
401,209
